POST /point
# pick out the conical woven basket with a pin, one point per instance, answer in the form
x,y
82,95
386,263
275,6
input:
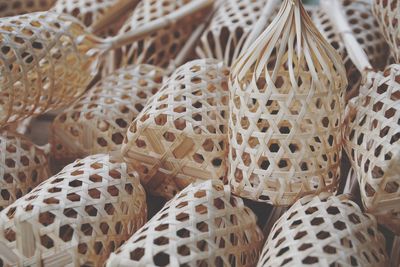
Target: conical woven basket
x,y
18,7
285,112
22,167
387,13
77,217
230,26
324,231
204,225
366,31
372,141
97,123
45,62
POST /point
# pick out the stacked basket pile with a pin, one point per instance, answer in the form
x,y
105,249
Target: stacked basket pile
x,y
235,112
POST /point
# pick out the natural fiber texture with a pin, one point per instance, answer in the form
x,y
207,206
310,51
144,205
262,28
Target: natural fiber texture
x,y
324,231
46,62
372,141
224,37
181,135
22,167
204,225
78,216
19,7
365,29
286,105
387,12
98,122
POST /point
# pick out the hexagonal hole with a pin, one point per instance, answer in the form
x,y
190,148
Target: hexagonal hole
x,y
66,232
91,210
160,241
161,259
183,233
391,187
75,183
137,254
46,218
117,138
70,213
317,221
87,229
46,241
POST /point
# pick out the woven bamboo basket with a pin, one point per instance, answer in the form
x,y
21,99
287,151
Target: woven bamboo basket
x,y
387,12
204,225
181,135
18,7
285,112
97,123
102,16
365,29
22,167
77,217
324,230
229,28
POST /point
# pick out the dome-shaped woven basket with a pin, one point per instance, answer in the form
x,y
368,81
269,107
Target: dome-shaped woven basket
x,y
78,216
22,167
230,26
181,135
387,12
285,112
372,141
18,7
99,13
46,62
324,231
204,225
97,123
366,31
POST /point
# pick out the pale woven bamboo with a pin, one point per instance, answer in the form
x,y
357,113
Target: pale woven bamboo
x,y
97,123
372,141
387,12
77,217
230,26
204,225
181,135
19,7
324,231
285,112
365,29
22,167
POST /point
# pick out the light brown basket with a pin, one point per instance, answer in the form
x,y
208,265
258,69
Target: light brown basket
x,y
230,26
181,135
387,12
372,141
22,167
97,123
366,31
324,231
285,112
204,225
18,7
47,61
77,217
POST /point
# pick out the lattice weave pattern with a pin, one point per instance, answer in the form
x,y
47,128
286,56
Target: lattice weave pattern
x,y
372,141
18,7
285,112
324,231
98,122
78,216
46,61
365,29
204,225
387,12
227,32
22,167
180,136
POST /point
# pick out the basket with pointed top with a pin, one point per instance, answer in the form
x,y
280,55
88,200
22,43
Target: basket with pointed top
x,y
22,167
204,225
97,123
285,112
324,230
78,216
18,7
181,135
387,13
365,29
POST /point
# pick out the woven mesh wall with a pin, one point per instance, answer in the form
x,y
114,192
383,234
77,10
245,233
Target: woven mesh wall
x,y
18,7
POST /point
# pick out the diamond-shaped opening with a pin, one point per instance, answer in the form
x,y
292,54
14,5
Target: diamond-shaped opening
x,y
96,165
91,210
391,187
161,259
66,232
137,254
296,223
104,227
75,183
183,233
317,221
87,229
117,138
329,249
46,218
200,194
310,260
282,251
183,216
305,246
160,241
300,234
161,227
46,241
51,200
311,210
95,178
390,113
323,235
54,190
